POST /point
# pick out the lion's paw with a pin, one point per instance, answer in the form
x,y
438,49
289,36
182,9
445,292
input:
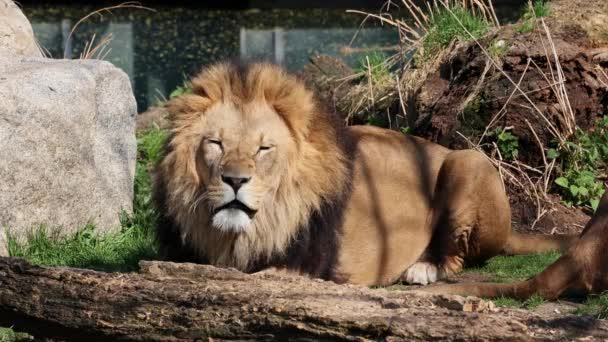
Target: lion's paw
x,y
422,273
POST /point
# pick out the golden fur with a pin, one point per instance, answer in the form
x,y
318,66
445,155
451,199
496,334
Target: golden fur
x,y
266,88
256,175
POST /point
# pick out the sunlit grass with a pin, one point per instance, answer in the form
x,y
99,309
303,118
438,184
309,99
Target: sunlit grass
x,y
518,267
116,251
445,27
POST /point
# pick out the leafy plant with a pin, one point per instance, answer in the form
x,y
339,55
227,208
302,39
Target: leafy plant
x,y
508,144
580,187
583,160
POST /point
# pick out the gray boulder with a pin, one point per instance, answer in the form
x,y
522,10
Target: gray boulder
x,y
16,34
67,131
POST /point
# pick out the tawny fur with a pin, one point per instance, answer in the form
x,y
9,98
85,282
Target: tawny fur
x,y
358,204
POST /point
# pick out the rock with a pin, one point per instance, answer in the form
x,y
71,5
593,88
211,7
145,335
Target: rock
x,y
67,130
16,34
3,243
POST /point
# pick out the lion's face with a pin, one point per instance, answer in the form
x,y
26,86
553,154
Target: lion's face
x,y
242,154
251,157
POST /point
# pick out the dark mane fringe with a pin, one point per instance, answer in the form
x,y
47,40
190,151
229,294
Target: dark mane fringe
x,y
316,247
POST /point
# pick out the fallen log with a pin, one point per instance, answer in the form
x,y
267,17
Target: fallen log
x,y
170,301
582,270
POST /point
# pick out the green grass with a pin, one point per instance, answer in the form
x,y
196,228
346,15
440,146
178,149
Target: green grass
x,y
444,28
539,9
9,335
117,251
374,65
530,304
596,306
519,267
514,268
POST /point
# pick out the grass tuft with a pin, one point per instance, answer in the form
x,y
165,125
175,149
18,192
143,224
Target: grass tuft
x,y
530,304
9,335
117,251
538,9
596,306
443,28
374,65
518,267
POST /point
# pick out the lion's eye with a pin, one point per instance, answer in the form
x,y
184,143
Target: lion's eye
x,y
215,141
263,149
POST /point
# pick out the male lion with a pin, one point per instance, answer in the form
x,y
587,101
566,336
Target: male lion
x,y
257,175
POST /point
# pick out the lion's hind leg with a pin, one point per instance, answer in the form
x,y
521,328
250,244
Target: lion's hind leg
x,y
471,217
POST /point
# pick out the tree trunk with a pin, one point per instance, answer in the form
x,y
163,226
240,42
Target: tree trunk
x,y
169,301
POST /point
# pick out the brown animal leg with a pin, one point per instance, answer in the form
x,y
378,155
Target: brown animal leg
x,y
583,268
471,217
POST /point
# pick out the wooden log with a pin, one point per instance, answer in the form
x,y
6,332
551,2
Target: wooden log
x,y
169,301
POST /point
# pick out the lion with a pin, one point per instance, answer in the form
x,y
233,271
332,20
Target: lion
x,y
258,175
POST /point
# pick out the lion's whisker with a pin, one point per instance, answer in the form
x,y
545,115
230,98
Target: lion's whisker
x,y
196,202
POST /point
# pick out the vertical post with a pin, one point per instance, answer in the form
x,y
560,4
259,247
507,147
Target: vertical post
x,y
278,42
243,42
66,28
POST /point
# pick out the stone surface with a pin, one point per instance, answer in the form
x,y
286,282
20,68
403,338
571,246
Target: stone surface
x,y
3,243
16,34
67,131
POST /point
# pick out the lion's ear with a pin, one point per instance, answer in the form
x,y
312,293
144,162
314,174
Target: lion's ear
x,y
286,94
184,109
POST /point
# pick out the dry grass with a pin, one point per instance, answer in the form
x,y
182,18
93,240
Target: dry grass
x,y
99,49
377,95
534,181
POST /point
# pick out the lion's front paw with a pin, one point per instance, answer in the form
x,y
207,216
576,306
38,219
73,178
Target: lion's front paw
x,y
422,273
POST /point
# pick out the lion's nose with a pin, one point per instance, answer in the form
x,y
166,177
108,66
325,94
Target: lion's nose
x,y
235,182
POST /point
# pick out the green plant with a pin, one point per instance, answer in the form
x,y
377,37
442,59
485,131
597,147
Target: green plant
x,y
582,161
538,9
185,88
519,267
9,335
580,188
445,27
596,306
497,48
530,303
374,65
508,144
